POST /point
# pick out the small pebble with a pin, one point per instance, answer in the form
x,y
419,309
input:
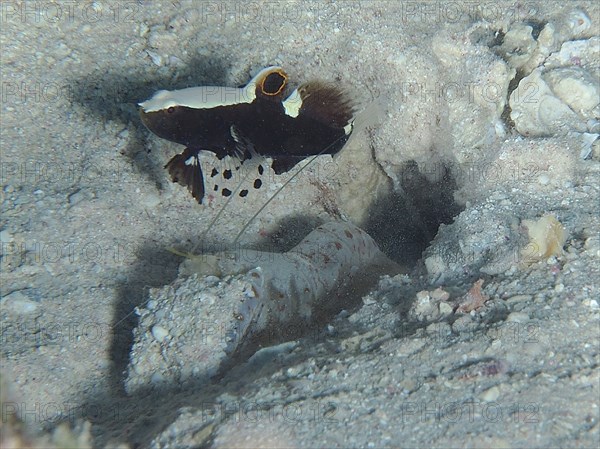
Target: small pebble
x,y
143,30
463,324
423,306
592,244
497,196
518,298
210,279
445,308
150,200
490,395
19,303
408,384
5,236
517,317
423,296
368,300
543,179
155,57
210,298
159,333
76,197
440,295
157,378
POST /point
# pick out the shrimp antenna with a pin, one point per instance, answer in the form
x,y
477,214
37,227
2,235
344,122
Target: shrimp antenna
x,y
255,157
281,188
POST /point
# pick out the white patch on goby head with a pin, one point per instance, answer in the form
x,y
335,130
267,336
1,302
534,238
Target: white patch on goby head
x,y
292,104
204,97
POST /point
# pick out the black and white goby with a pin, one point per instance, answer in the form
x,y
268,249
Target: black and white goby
x,y
257,119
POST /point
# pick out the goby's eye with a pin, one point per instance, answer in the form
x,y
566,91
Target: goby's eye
x,y
274,83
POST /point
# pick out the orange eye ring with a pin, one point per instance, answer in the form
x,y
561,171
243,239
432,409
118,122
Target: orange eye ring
x,y
274,83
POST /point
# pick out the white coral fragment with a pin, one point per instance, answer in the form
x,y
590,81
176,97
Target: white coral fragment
x,y
578,22
537,111
547,237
